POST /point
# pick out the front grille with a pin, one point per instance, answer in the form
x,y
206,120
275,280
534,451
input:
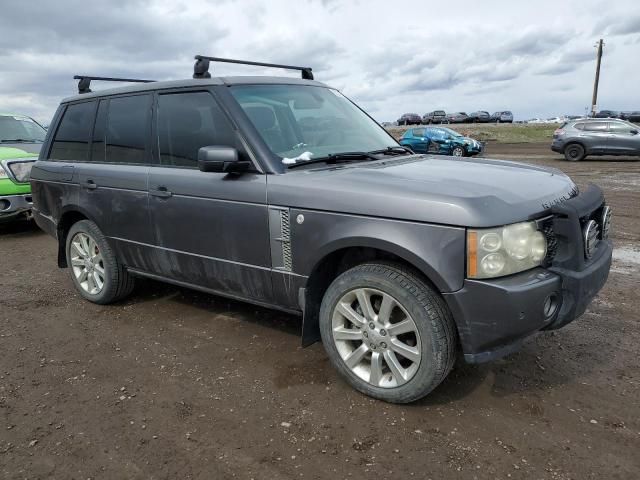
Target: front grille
x,y
546,228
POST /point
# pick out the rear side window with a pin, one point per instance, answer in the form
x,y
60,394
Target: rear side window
x,y
71,141
595,127
127,129
579,126
187,122
418,132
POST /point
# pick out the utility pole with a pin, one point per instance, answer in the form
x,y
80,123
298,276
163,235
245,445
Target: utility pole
x,y
594,99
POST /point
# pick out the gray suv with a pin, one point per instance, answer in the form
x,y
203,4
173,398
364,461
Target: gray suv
x,y
283,193
580,138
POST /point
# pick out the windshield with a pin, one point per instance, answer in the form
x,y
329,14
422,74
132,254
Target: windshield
x,y
19,128
451,132
306,122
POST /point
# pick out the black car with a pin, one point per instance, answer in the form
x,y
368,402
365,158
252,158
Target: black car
x,y
410,119
437,116
631,116
480,116
607,114
283,193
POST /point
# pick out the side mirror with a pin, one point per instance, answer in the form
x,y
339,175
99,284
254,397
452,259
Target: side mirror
x,y
633,132
221,159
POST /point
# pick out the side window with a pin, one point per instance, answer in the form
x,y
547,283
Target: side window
x,y
579,126
127,129
71,141
187,122
418,132
98,151
618,127
595,127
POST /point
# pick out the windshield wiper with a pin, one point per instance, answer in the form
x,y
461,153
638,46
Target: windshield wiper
x,y
399,150
20,140
336,157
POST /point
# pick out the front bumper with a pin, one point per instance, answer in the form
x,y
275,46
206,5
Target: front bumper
x,y
494,316
14,205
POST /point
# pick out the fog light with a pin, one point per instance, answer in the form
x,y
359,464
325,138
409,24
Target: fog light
x,y
4,204
550,306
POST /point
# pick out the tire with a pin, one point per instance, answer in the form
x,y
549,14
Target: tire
x,y
458,152
85,242
574,152
431,343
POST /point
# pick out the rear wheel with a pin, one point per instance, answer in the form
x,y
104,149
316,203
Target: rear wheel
x,y
574,152
387,332
96,272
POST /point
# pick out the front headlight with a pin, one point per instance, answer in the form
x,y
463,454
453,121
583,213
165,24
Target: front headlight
x,y
496,252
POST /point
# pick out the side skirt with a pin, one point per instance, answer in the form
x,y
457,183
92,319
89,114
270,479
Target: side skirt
x,y
179,283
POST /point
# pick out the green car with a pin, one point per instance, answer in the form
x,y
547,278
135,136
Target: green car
x,y
440,140
21,138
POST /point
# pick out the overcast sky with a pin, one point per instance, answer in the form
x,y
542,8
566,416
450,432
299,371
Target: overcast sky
x,y
535,58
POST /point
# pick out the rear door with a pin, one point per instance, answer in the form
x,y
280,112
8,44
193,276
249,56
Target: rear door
x,y
419,142
211,229
623,138
596,136
113,182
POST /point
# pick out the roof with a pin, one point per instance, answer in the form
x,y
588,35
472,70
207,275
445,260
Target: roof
x,y
197,82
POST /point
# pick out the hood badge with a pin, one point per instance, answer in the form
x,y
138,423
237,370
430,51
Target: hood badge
x,y
567,196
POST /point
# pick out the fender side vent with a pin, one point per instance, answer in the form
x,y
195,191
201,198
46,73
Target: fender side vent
x,y
285,238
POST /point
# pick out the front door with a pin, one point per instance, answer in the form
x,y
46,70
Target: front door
x,y
211,229
623,139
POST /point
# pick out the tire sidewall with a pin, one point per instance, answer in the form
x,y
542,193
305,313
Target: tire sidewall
x,y
110,270
427,374
457,148
578,157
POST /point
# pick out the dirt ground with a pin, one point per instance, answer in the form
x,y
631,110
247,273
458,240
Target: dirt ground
x,y
177,384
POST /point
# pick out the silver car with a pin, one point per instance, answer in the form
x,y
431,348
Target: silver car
x,y
579,138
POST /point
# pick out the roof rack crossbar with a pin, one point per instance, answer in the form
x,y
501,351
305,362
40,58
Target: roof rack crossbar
x,y
201,67
85,81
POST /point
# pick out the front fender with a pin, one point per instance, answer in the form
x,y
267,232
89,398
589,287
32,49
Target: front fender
x,y
436,250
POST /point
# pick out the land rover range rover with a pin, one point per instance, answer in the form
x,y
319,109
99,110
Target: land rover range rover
x,y
282,192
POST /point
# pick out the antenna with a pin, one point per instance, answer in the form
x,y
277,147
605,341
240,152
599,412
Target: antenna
x,y
201,67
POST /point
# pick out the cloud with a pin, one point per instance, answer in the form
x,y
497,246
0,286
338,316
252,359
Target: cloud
x,y
389,58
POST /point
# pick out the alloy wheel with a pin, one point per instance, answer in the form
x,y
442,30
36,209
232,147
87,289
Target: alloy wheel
x,y
376,337
87,263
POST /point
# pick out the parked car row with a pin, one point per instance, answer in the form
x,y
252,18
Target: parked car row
x,y
440,116
632,116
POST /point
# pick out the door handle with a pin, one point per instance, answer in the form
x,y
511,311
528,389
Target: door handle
x,y
160,192
90,184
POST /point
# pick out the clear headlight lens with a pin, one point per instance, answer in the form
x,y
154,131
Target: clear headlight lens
x,y
495,252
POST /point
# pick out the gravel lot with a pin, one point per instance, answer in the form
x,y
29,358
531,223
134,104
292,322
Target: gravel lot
x,y
178,384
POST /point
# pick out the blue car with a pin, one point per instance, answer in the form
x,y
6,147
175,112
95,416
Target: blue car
x,y
440,140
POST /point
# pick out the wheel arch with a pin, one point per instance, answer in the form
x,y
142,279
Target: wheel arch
x,y
345,255
69,217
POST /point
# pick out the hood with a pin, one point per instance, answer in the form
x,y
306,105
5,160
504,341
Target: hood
x,y
28,147
424,188
11,151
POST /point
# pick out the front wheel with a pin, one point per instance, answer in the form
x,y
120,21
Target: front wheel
x,y
458,152
388,334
